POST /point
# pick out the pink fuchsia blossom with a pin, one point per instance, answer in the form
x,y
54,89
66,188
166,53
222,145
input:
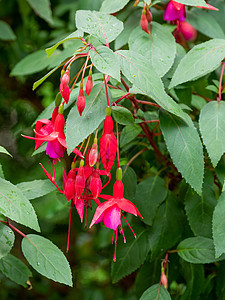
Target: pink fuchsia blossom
x,y
188,31
64,86
175,11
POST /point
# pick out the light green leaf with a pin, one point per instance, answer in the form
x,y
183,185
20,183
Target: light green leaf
x,y
198,250
7,238
105,61
198,102
3,150
185,148
15,269
131,255
15,206
156,292
212,127
193,2
6,33
79,127
42,8
42,79
73,36
46,258
140,72
150,194
199,61
122,115
160,48
129,133
36,188
110,7
99,24
218,226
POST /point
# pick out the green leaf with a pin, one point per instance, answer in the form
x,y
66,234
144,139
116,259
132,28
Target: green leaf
x,y
42,79
73,36
105,61
47,259
198,102
160,49
6,33
7,238
150,194
129,180
166,230
110,7
122,115
3,150
185,148
205,23
79,127
36,188
15,206
99,24
1,172
129,133
156,292
42,8
199,61
218,226
131,255
199,209
198,250
193,2
140,72
15,269
212,127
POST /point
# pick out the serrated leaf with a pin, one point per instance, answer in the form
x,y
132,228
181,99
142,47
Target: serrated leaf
x,y
140,72
46,258
7,238
3,150
205,23
193,2
110,7
6,33
129,133
15,206
212,128
166,230
36,188
150,194
156,292
42,8
79,127
199,209
100,25
73,36
198,250
105,61
185,148
218,226
122,115
159,48
15,269
199,61
131,255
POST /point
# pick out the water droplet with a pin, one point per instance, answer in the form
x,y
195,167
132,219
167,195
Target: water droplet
x,y
38,264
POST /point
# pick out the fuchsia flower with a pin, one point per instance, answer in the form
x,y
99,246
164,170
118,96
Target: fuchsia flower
x,y
110,211
175,11
144,22
188,31
89,84
81,102
93,155
69,183
64,86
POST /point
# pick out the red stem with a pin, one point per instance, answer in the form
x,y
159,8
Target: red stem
x,y
106,91
221,79
148,103
121,98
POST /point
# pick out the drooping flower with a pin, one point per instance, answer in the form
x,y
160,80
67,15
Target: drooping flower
x,y
89,84
175,11
188,31
64,86
144,21
81,102
69,183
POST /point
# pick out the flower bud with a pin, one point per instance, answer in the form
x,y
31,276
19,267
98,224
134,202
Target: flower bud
x,y
81,101
80,181
96,184
149,16
188,31
93,155
89,84
65,80
144,22
164,280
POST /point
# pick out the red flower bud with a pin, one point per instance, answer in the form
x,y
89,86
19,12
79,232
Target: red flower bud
x,y
89,85
164,280
96,184
93,155
144,22
188,31
80,182
65,80
81,101
69,184
149,16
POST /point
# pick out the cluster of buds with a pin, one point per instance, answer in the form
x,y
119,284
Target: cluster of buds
x,y
146,18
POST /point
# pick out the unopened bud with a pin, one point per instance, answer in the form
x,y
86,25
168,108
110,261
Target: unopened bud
x,y
81,101
164,280
89,84
149,16
144,22
93,155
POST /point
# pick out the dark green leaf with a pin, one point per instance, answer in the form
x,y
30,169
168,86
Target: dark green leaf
x,y
199,61
156,292
131,255
159,48
105,61
150,194
110,7
130,182
6,33
42,8
218,226
129,133
185,148
15,206
47,259
140,72
6,240
36,188
15,269
212,127
122,115
99,24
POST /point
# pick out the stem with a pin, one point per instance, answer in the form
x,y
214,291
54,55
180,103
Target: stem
x,y
134,157
85,66
124,84
68,236
150,121
106,91
221,79
88,140
148,103
121,98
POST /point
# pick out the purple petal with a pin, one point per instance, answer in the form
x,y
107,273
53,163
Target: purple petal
x,y
172,14
54,149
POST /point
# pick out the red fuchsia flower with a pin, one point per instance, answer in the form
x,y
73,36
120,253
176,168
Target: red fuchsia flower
x,y
93,155
149,16
144,21
95,183
81,100
110,211
175,11
69,183
89,84
64,86
164,279
188,31
108,143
